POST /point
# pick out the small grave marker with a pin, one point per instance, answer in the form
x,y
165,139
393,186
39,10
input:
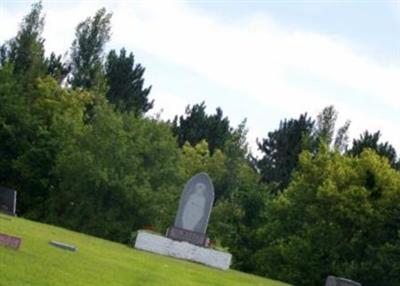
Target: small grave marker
x,y
10,241
63,245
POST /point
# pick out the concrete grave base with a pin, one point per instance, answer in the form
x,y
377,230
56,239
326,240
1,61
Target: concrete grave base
x,y
183,250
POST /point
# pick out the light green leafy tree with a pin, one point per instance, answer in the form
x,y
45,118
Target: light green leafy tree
x,y
338,216
120,175
87,51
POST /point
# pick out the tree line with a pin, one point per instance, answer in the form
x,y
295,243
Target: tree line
x,y
76,143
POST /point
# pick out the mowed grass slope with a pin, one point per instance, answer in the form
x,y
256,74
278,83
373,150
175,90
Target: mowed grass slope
x,y
98,262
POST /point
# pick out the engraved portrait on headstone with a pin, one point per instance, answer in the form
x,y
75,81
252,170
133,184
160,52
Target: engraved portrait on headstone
x,y
194,208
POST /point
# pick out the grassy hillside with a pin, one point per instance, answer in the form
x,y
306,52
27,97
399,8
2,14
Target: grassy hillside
x,y
98,262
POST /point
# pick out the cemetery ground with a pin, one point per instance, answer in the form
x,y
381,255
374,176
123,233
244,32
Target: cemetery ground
x,y
98,262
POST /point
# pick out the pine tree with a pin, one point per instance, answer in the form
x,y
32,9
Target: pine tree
x,y
281,150
56,68
197,125
126,83
371,141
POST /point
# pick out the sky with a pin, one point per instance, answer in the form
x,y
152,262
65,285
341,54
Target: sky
x,y
263,61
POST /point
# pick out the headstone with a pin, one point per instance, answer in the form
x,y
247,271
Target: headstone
x,y
63,245
338,281
194,211
10,241
8,201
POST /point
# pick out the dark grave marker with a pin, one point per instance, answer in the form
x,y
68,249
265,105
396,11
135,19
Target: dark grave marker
x,y
194,211
10,241
8,201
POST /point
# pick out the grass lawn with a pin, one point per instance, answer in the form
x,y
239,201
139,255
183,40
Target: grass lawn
x,y
98,262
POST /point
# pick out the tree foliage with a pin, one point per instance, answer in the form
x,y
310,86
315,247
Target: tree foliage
x,y
325,125
197,125
87,49
111,181
325,129
126,83
281,149
26,50
338,216
56,68
371,141
342,137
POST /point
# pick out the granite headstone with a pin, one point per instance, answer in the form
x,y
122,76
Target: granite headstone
x,y
8,201
194,211
338,281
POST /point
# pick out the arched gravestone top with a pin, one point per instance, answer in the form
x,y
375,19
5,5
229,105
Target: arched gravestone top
x,y
338,281
195,204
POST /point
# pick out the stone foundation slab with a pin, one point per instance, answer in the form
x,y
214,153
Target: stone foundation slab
x,y
183,250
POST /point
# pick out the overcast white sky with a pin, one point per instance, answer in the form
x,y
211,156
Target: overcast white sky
x,y
260,60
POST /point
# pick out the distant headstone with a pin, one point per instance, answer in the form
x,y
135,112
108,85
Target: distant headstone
x,y
194,211
10,241
338,281
63,245
8,201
